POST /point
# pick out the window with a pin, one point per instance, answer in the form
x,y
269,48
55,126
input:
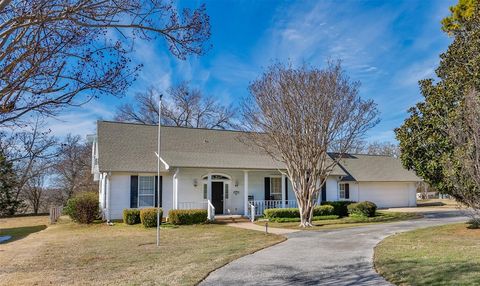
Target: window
x,y
344,191
276,188
146,191
205,190
226,191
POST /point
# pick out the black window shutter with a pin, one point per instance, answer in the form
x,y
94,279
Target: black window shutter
x,y
286,188
133,191
347,191
156,192
324,192
267,188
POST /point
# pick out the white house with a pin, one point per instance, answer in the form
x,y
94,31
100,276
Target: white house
x,y
215,169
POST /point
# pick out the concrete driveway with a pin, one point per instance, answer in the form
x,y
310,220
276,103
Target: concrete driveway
x,y
336,257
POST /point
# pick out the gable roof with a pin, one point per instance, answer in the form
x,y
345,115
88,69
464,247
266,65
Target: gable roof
x,y
131,147
375,168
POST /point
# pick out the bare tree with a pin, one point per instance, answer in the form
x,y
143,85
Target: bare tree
x,y
72,169
464,171
52,51
382,148
298,115
184,106
25,150
34,193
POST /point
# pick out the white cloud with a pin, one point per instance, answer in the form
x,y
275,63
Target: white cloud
x,y
78,120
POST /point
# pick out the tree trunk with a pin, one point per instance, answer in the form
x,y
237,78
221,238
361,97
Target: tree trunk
x,y
306,212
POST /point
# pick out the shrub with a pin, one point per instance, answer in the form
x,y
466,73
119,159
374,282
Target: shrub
x,y
339,207
148,217
325,210
296,219
281,213
365,209
295,213
192,216
131,216
83,207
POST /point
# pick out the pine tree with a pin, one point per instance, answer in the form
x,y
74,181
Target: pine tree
x,y
8,202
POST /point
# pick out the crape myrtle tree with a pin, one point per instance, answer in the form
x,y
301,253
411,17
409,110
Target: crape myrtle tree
x,y
55,53
425,137
183,106
298,115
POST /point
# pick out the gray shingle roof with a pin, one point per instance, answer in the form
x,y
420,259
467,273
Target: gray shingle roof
x,y
374,168
129,147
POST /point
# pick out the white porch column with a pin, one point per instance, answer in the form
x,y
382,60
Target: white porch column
x,y
175,189
245,192
107,197
209,187
283,191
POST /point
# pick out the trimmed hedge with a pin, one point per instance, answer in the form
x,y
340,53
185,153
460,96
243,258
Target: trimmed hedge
x,y
131,216
297,219
339,207
193,216
83,207
365,209
148,217
295,213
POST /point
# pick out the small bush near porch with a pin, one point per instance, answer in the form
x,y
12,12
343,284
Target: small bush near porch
x,y
71,254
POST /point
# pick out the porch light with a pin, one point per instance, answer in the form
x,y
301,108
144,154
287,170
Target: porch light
x,y
195,182
236,183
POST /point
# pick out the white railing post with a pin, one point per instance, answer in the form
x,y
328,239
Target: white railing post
x,y
252,212
210,211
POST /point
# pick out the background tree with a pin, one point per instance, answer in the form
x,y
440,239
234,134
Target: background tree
x,y
72,168
184,106
300,114
52,51
32,152
35,192
8,202
382,148
463,168
424,138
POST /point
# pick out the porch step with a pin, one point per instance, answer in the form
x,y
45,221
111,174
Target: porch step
x,y
230,219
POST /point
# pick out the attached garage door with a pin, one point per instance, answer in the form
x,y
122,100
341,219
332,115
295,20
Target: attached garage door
x,y
385,195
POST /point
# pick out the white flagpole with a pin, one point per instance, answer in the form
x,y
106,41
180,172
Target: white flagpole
x,y
158,169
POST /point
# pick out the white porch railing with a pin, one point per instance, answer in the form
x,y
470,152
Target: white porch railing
x,y
193,205
262,205
210,211
251,211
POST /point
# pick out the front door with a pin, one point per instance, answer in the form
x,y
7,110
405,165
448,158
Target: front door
x,y
217,197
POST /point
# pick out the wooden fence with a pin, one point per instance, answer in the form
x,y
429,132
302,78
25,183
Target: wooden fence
x,y
55,213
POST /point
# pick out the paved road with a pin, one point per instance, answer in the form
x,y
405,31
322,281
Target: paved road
x,y
336,257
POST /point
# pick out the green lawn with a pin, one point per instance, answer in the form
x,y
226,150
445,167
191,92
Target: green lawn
x,y
381,217
20,227
71,254
444,255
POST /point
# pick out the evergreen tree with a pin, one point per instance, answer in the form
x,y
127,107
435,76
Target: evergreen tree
x,y
8,203
425,142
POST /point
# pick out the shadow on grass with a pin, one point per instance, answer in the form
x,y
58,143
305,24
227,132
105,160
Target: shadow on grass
x,y
20,232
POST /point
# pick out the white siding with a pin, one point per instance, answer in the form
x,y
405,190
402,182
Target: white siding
x,y
388,194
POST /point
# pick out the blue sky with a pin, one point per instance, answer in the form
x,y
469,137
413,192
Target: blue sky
x,y
386,45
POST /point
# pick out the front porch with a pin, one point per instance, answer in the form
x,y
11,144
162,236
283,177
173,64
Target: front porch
x,y
231,192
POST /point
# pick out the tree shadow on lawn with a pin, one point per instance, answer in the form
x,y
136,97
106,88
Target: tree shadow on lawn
x,y
20,232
